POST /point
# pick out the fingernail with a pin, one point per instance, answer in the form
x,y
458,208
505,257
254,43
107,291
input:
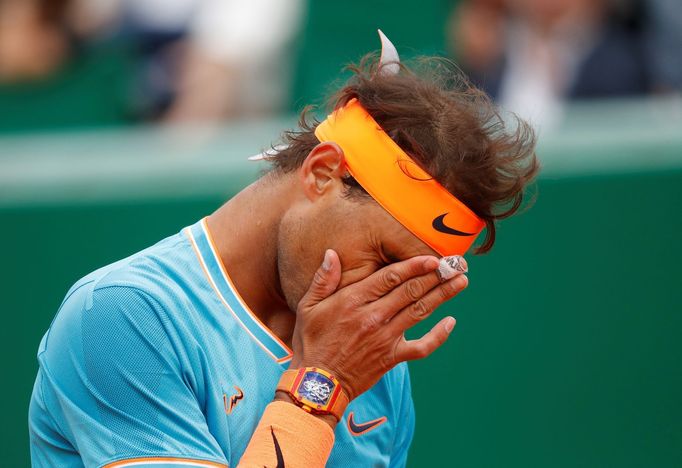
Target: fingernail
x,y
449,324
327,263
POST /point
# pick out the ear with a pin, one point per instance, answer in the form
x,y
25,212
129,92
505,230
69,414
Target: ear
x,y
322,170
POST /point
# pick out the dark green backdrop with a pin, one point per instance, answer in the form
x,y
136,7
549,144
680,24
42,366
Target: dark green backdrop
x,y
567,351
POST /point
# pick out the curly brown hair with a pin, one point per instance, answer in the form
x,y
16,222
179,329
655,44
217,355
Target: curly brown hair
x,y
448,126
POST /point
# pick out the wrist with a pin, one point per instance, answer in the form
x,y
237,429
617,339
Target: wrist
x,y
327,418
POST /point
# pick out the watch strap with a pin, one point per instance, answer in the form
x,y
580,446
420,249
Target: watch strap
x,y
290,379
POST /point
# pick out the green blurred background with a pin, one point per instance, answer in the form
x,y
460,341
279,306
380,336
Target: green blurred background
x,y
567,351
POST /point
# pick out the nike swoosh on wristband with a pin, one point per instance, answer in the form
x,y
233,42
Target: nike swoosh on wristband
x,y
439,225
362,428
278,450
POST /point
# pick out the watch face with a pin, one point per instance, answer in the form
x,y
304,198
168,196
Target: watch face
x,y
316,388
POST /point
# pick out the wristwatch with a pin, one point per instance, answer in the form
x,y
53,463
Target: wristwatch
x,y
315,390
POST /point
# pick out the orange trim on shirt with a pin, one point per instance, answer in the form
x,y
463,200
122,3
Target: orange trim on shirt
x,y
190,236
236,292
123,463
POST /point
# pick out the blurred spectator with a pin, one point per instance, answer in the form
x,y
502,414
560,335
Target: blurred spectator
x,y
238,59
664,43
76,63
206,60
532,55
52,74
33,41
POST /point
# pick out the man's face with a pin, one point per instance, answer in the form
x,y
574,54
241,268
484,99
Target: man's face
x,y
363,234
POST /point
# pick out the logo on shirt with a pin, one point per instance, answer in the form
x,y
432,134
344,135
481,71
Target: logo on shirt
x,y
357,429
232,401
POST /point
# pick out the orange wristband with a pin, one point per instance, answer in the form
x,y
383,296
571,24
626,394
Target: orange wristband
x,y
287,436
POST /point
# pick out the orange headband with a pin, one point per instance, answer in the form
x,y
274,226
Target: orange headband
x,y
398,184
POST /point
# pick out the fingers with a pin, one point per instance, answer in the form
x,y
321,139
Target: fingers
x,y
325,281
410,291
420,309
390,277
427,344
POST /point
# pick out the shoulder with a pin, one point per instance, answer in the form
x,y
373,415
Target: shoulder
x,y
139,291
401,372
392,392
400,390
397,380
151,270
158,274
96,314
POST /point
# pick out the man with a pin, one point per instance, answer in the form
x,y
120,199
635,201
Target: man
x,y
271,333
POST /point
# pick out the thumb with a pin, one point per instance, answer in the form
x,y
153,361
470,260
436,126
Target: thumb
x,y
325,280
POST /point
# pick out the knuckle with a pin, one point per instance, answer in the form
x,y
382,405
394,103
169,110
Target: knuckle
x,y
453,287
369,324
421,350
386,363
447,290
318,278
352,300
441,338
414,289
419,310
390,279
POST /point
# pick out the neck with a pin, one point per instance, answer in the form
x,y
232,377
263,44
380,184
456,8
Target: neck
x,y
245,233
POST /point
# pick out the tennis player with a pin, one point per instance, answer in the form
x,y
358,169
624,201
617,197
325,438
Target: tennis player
x,y
271,333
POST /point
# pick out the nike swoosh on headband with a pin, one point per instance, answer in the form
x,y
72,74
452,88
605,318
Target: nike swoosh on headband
x,y
440,226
